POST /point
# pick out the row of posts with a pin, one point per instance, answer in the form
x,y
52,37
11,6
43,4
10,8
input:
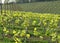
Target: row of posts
x,y
5,7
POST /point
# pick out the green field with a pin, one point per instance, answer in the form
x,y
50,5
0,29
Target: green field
x,y
28,27
40,7
37,22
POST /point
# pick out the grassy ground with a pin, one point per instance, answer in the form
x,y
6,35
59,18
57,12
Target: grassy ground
x,y
41,7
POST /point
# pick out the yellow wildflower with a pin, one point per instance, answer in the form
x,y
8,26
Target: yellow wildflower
x,y
22,34
17,21
14,32
16,42
34,22
41,37
7,31
4,29
35,29
28,35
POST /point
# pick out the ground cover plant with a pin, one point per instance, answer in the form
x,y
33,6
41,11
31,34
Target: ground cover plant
x,y
28,27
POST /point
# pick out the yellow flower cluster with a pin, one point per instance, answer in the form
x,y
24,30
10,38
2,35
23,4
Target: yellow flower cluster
x,y
28,35
14,31
43,24
5,31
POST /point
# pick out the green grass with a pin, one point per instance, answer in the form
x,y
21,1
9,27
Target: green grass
x,y
40,7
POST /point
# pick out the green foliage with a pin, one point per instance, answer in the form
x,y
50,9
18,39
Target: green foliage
x,y
30,27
